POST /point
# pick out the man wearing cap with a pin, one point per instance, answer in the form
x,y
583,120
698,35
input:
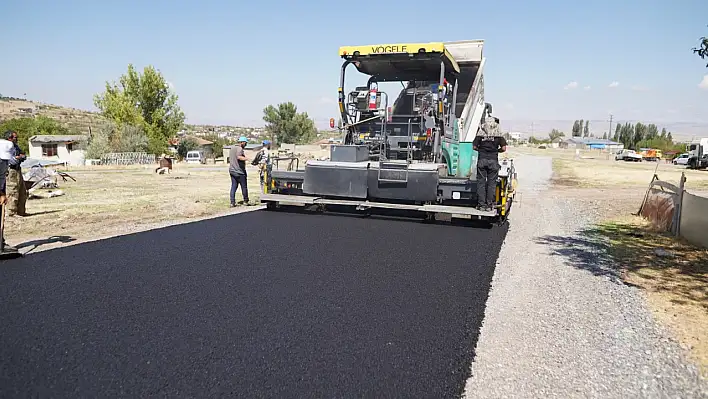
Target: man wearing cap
x,y
237,170
7,152
488,144
15,183
264,166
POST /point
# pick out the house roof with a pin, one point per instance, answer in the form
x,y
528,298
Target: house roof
x,y
200,141
56,138
589,141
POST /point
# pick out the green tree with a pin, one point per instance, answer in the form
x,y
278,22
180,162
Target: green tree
x,y
639,134
286,125
186,145
604,136
144,100
702,49
627,135
555,134
28,127
577,129
618,130
113,138
652,132
586,130
219,143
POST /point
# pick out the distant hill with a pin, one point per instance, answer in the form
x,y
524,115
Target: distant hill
x,y
79,120
74,119
680,131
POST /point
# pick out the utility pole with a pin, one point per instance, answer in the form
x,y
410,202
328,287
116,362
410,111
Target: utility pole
x,y
609,133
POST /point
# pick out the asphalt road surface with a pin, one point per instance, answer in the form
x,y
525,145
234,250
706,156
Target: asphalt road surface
x,y
250,305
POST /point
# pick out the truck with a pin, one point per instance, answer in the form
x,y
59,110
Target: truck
x,y
413,155
651,154
628,156
697,151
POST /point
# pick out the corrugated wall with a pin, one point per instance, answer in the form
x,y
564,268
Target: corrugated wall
x,y
694,219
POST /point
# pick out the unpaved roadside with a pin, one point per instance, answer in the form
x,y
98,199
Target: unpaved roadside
x,y
559,322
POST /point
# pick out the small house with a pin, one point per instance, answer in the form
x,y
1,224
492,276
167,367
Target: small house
x,y
205,146
62,148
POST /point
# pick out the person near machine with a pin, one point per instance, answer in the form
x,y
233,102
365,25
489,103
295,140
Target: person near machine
x,y
7,152
16,190
264,164
237,170
488,144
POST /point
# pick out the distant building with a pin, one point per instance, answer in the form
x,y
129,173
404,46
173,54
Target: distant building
x,y
518,136
61,148
591,143
206,146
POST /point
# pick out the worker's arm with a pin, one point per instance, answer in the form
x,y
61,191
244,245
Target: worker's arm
x,y
502,144
241,156
475,143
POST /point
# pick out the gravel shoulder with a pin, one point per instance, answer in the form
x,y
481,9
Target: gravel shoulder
x,y
559,322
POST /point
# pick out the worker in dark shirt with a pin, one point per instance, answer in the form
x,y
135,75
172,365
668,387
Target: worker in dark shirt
x,y
488,144
6,154
237,171
15,189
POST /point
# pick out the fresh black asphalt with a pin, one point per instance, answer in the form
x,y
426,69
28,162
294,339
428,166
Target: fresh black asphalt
x,y
262,304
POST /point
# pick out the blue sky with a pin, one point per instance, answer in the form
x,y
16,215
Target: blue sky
x,y
228,60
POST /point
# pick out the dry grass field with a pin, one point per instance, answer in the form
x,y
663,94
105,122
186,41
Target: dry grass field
x,y
107,201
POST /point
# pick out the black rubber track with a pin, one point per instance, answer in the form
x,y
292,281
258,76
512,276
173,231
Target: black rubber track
x,y
260,304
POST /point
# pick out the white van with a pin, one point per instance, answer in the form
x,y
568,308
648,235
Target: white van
x,y
195,157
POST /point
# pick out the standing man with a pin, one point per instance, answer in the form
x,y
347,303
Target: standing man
x,y
6,153
265,165
237,170
489,144
16,190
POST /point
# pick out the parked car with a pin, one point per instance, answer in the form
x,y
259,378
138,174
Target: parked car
x,y
681,159
628,155
195,157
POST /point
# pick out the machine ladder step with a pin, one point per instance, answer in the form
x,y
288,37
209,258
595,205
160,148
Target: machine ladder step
x,y
393,172
455,157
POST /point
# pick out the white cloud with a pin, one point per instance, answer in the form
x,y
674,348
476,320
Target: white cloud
x,y
704,83
614,84
571,85
586,87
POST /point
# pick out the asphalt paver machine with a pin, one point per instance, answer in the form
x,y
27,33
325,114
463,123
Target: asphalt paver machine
x,y
413,155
